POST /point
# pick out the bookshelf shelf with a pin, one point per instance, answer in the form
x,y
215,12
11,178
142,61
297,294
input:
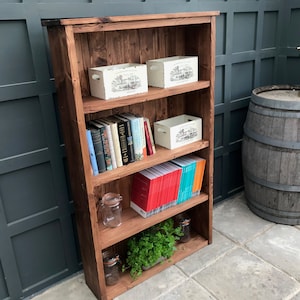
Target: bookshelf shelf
x,y
110,236
92,104
196,243
79,44
162,155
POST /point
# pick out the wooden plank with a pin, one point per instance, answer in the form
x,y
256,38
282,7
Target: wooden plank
x,y
162,155
139,24
130,218
148,17
92,104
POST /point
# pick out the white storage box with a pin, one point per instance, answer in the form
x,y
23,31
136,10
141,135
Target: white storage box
x,y
118,80
178,131
172,71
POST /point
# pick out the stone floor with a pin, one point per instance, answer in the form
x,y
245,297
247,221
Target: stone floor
x,y
250,258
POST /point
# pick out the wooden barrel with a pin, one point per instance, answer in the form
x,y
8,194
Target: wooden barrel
x,y
271,154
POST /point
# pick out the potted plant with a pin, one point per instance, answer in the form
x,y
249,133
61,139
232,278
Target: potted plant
x,y
151,247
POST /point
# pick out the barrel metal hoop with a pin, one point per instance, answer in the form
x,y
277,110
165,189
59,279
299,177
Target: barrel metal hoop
x,y
271,211
285,105
273,185
269,141
260,110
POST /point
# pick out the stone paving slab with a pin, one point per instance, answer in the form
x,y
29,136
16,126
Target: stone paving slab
x,y
155,286
234,219
206,256
280,246
240,275
189,290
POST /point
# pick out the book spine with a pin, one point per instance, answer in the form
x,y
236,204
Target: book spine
x,y
116,144
137,138
111,146
92,152
148,140
141,191
123,142
129,138
142,129
98,146
151,136
106,149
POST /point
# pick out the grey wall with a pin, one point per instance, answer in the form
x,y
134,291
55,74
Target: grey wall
x,y
256,41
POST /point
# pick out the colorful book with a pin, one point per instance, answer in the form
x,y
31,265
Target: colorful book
x,y
98,147
151,149
199,173
129,138
116,142
105,142
137,134
122,135
110,141
92,152
144,189
187,178
174,179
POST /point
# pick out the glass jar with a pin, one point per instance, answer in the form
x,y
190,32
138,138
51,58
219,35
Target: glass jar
x,y
183,221
185,227
111,270
111,210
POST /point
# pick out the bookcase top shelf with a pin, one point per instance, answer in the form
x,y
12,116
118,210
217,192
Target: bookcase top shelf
x,y
140,21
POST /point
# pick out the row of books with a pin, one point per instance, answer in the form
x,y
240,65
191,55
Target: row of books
x,y
160,187
118,140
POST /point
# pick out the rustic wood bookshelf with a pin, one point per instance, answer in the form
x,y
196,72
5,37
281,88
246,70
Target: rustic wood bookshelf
x,y
81,43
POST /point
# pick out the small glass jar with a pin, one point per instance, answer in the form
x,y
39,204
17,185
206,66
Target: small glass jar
x,y
183,221
185,227
111,210
111,270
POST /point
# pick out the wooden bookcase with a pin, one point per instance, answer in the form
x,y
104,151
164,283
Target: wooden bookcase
x,y
81,43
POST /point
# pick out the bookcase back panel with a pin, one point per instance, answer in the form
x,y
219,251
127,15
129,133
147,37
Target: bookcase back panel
x,y
121,186
95,49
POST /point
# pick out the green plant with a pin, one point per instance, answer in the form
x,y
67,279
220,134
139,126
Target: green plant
x,y
147,248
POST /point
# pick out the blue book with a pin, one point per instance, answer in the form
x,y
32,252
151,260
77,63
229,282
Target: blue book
x,y
92,152
187,178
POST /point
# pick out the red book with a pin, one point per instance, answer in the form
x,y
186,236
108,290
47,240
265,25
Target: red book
x,y
149,138
175,182
144,190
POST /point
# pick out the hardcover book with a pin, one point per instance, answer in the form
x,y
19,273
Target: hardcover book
x,y
98,146
129,138
92,152
200,168
105,142
122,135
151,149
108,132
137,134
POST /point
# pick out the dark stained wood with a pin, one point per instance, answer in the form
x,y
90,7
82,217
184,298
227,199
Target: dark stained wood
x,y
78,44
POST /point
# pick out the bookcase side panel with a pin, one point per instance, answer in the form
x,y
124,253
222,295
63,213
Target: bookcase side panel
x,y
62,46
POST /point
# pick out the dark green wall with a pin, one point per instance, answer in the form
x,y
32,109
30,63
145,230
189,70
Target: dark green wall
x,y
256,41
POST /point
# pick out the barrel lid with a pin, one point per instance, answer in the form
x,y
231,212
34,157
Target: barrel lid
x,y
286,97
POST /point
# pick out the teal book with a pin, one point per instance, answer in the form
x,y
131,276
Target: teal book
x,y
137,134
